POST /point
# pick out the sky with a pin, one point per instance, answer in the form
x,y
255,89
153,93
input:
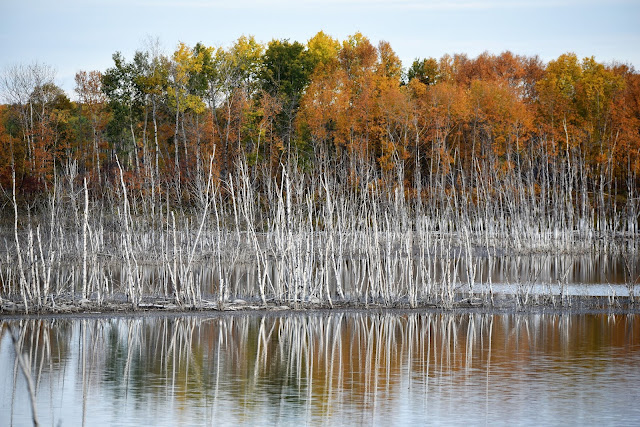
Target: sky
x,y
74,35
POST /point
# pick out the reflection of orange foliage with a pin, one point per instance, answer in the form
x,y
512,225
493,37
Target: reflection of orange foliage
x,y
321,361
364,356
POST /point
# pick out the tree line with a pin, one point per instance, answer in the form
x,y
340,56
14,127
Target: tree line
x,y
347,106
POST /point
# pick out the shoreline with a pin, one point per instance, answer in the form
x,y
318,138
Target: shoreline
x,y
160,306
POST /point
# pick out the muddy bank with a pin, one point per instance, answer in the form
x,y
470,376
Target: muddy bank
x,y
66,305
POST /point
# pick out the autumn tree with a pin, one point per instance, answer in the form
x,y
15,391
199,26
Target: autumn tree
x,y
41,111
322,102
495,125
92,106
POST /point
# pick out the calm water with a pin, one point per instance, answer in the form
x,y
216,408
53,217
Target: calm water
x,y
604,275
346,368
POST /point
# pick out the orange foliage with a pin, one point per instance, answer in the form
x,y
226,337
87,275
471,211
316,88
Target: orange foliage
x,y
456,113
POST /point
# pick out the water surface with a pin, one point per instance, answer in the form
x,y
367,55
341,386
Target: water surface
x,y
347,367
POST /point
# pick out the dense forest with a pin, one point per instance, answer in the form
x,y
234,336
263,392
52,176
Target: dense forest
x,y
347,105
326,170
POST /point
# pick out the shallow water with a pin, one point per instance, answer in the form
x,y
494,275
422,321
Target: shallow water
x,y
344,368
590,274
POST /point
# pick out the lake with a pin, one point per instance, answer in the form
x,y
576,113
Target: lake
x,y
324,367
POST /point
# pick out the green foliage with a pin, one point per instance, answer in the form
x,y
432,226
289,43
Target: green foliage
x,y
124,87
425,70
286,69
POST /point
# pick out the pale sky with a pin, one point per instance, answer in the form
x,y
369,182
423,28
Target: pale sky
x,y
74,35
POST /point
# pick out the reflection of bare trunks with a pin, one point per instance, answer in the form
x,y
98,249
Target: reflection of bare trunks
x,y
320,368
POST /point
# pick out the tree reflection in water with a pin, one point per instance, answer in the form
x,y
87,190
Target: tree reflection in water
x,y
322,367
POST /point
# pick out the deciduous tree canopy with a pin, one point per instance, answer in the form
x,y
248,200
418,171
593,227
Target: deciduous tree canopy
x,y
326,103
